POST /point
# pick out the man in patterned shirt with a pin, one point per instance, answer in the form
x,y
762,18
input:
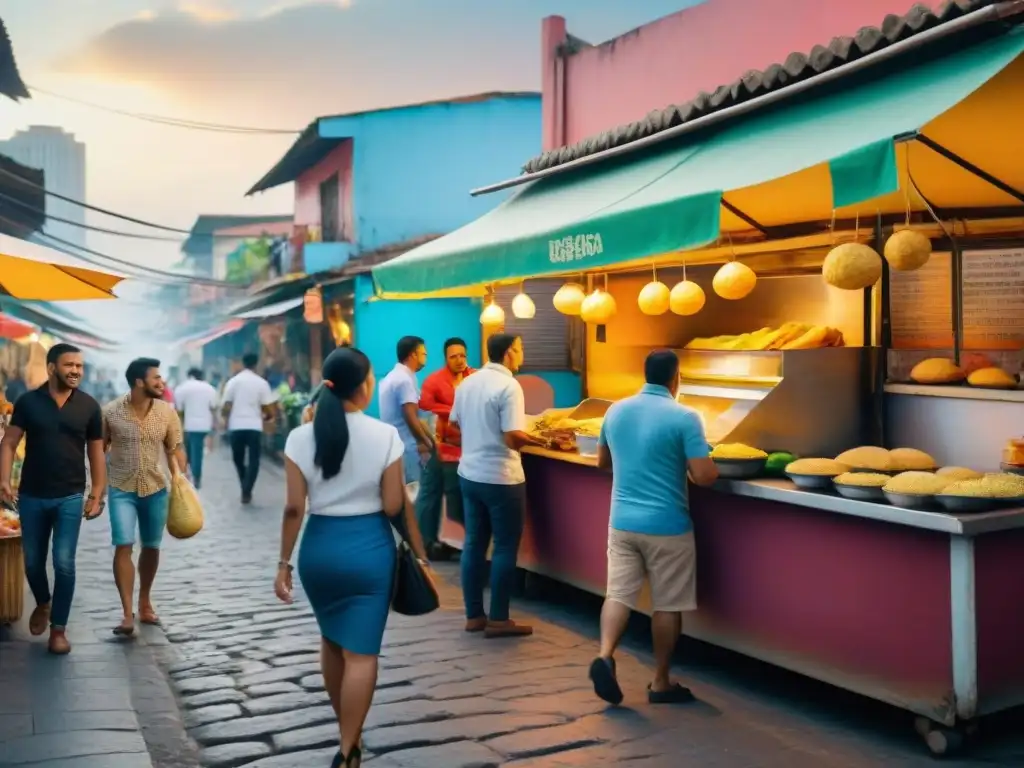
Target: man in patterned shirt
x,y
141,431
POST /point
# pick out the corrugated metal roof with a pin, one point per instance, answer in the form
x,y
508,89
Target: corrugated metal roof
x,y
309,149
796,68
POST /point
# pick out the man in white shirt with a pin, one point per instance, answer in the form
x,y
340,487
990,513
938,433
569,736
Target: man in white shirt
x,y
398,394
490,410
248,404
196,402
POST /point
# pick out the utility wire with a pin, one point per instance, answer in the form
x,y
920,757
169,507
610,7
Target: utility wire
x,y
174,122
175,278
97,209
81,225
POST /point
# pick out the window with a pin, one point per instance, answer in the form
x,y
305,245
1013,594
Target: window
x,y
330,206
547,338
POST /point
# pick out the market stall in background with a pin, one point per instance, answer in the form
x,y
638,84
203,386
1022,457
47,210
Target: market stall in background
x,y
891,571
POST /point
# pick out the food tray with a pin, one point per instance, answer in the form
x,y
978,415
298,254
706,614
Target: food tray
x,y
740,469
812,482
1012,469
921,501
861,492
965,504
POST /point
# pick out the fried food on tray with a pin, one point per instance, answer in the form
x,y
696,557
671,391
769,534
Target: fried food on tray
x,y
863,479
822,467
869,457
737,451
959,473
905,459
787,336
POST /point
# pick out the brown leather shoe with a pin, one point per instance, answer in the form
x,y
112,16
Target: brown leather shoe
x,y
496,629
59,645
476,625
39,620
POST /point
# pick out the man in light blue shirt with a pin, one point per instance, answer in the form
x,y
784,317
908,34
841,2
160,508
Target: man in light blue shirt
x,y
650,443
399,396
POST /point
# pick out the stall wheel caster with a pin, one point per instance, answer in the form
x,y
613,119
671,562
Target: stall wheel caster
x,y
940,740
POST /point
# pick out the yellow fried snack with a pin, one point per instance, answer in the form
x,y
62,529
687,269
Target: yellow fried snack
x,y
736,451
959,473
904,459
867,457
975,489
863,479
917,483
1004,485
822,467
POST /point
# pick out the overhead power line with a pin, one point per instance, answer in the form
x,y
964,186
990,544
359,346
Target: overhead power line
x,y
81,225
97,209
174,122
173,277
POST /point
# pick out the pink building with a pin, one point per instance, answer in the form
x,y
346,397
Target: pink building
x,y
588,89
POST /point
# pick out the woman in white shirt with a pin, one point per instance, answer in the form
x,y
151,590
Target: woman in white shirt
x,y
349,468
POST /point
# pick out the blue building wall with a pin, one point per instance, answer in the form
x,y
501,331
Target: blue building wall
x,y
413,167
380,324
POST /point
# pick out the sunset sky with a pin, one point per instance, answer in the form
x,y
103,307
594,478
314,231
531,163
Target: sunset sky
x,y
266,63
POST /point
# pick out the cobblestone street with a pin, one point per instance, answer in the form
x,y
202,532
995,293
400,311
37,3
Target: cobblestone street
x,y
245,670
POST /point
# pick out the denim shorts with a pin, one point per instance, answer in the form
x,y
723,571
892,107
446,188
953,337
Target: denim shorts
x,y
149,511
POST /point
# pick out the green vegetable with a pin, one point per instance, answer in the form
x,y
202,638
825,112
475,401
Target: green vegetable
x,y
777,462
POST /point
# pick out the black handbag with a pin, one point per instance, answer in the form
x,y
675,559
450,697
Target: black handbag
x,y
413,593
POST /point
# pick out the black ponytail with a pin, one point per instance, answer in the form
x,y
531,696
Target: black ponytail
x,y
344,371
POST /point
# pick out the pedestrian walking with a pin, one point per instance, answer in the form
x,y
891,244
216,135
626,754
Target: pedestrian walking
x,y
142,431
62,425
399,405
440,481
348,467
248,404
197,403
490,411
650,443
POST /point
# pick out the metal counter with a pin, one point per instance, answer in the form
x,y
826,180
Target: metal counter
x,y
786,492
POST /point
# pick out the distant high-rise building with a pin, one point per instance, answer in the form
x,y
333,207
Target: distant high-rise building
x,y
62,158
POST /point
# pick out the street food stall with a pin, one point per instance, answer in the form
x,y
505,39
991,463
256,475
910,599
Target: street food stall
x,y
780,255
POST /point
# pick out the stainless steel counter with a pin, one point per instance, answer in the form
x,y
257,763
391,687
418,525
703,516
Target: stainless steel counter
x,y
786,492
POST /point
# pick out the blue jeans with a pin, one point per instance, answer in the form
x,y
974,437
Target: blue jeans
x,y
63,519
195,446
128,508
412,464
496,511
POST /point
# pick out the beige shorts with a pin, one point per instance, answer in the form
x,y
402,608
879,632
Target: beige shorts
x,y
668,562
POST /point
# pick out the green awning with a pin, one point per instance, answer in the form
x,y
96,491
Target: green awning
x,y
648,204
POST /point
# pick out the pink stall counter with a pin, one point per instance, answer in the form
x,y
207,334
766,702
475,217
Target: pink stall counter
x,y
917,609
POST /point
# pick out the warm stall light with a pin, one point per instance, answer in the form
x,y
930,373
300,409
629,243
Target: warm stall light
x,y
686,298
654,298
492,314
734,281
523,307
852,267
569,299
598,308
907,250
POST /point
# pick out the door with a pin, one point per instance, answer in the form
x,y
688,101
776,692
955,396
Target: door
x,y
329,208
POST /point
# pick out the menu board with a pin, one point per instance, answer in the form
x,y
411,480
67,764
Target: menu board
x,y
993,296
921,305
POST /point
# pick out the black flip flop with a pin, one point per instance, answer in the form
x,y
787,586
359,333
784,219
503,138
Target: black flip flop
x,y
122,631
606,686
677,694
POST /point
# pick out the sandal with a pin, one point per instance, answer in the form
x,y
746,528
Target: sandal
x,y
149,617
355,758
123,630
338,761
677,694
606,684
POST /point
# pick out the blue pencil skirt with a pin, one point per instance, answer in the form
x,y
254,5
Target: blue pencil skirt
x,y
347,566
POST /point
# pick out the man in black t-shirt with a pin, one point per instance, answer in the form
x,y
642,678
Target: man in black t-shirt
x,y
60,424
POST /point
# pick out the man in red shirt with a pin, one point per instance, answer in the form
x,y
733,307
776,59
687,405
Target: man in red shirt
x,y
440,478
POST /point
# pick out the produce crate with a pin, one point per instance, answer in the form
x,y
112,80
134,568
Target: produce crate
x,y
12,580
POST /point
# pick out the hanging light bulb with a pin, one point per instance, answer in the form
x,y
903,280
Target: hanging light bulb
x,y
492,314
523,306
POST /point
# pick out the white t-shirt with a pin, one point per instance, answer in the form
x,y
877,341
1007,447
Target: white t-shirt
x,y
487,405
373,446
247,392
197,400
